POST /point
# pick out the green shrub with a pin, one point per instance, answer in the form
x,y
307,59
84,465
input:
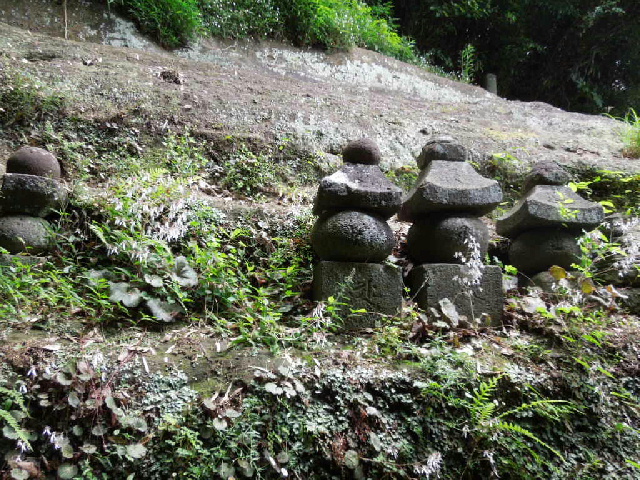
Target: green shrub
x,y
241,18
172,22
631,134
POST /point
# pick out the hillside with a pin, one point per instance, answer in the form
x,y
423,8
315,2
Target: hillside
x,y
170,330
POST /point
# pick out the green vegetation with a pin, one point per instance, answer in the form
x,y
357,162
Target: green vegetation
x,y
631,134
331,24
580,56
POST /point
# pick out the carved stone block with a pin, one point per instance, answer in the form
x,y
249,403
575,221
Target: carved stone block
x,y
432,282
374,288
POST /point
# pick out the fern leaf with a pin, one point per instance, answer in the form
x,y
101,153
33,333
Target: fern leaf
x,y
517,429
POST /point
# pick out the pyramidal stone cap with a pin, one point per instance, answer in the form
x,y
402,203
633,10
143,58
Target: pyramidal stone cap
x,y
358,187
550,206
445,186
34,161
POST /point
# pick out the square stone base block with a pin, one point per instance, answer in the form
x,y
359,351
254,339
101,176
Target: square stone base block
x,y
372,287
429,283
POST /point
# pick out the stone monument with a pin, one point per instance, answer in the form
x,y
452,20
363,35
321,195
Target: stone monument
x,y
448,241
29,191
545,223
352,239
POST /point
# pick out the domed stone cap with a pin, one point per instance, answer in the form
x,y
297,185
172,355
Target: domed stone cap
x,y
358,187
34,161
443,148
352,237
546,172
30,195
364,151
450,187
550,206
21,233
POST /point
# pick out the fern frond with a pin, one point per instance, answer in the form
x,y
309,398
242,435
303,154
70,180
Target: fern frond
x,y
15,397
13,423
552,413
517,429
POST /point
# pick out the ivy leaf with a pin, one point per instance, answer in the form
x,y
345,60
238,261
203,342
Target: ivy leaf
x,y
558,273
136,450
122,292
89,448
73,399
183,274
99,430
67,470
587,286
273,388
19,474
219,424
164,311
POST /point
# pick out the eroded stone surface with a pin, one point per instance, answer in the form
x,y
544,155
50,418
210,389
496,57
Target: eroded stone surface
x,y
373,287
450,187
351,236
430,283
358,187
440,239
550,206
34,161
20,233
30,195
537,250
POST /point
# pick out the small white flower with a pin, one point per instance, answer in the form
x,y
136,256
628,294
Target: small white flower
x,y
23,446
32,372
47,431
23,388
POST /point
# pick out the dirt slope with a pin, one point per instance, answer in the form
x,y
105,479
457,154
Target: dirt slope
x,y
321,100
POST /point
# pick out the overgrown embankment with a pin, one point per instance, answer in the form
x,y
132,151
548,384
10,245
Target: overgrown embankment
x,y
171,331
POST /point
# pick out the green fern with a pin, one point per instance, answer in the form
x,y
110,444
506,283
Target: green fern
x,y
9,419
517,429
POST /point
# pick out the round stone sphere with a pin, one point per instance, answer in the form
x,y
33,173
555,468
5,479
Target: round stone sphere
x,y
34,161
447,239
21,233
364,151
352,236
537,250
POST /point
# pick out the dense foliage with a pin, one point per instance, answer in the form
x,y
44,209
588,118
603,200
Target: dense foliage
x,y
321,23
575,54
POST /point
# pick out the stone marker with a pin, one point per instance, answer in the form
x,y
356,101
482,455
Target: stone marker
x,y
550,206
30,195
352,238
444,207
545,223
29,190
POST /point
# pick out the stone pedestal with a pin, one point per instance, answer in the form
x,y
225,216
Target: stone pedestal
x,y
430,283
372,287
